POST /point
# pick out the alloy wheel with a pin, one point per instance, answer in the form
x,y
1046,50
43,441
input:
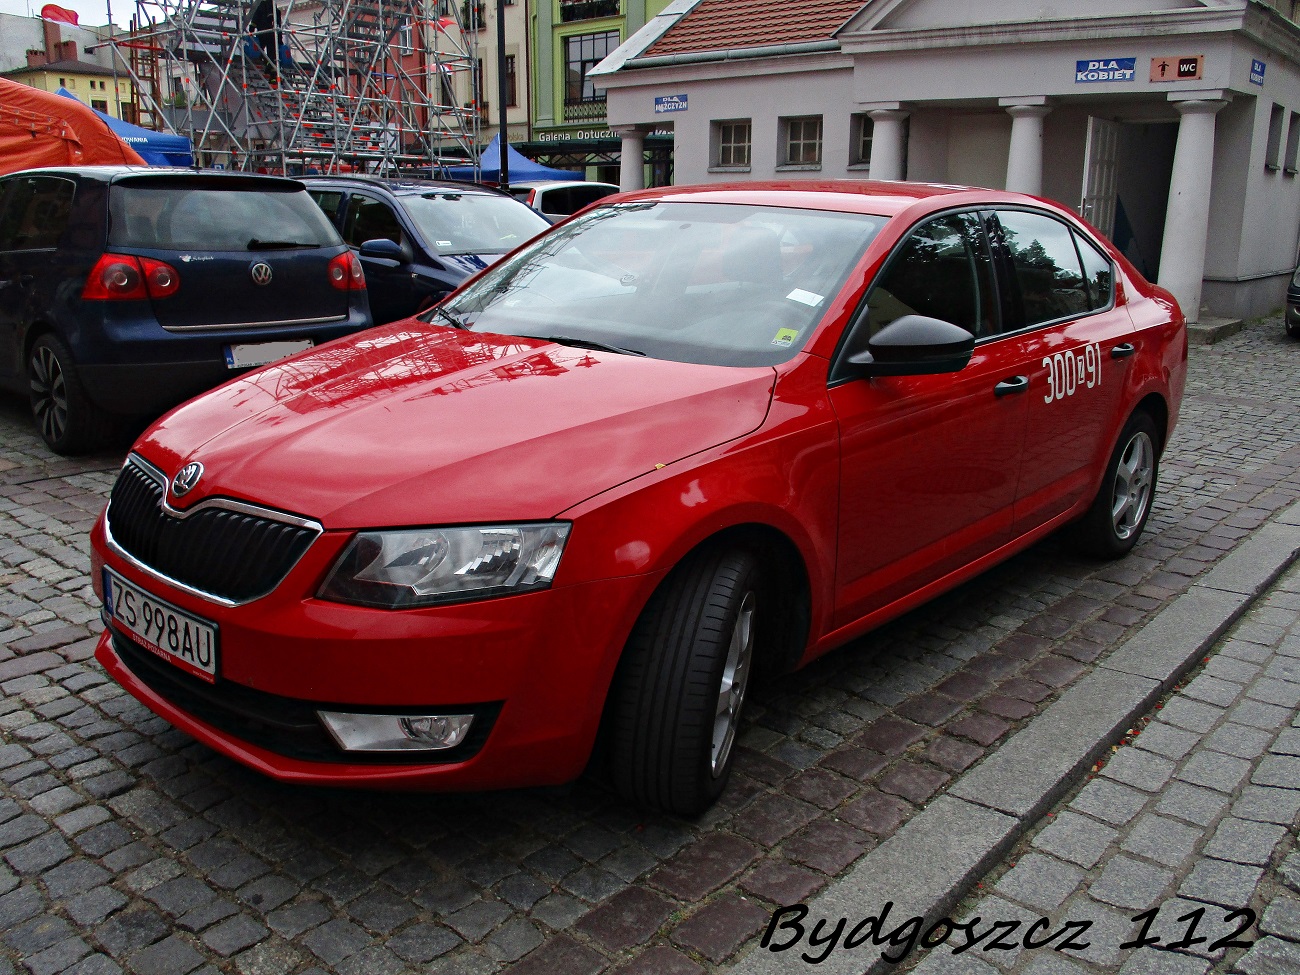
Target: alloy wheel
x,y
735,678
1133,478
49,394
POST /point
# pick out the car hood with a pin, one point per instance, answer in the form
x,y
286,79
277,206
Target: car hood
x,y
410,424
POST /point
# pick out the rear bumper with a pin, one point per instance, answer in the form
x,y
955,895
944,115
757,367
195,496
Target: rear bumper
x,y
145,379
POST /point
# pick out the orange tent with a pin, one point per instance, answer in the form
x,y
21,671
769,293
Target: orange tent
x,y
38,128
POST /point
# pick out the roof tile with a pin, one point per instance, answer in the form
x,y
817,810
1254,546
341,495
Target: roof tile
x,y
720,25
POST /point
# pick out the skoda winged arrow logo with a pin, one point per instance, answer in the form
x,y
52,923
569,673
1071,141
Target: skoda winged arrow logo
x,y
183,483
261,273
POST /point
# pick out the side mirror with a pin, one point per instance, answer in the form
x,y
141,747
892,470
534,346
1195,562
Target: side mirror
x,y
915,346
384,249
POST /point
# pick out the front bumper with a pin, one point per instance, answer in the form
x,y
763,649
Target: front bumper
x,y
533,668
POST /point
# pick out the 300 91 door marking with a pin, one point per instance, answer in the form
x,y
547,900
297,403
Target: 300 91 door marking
x,y
1068,372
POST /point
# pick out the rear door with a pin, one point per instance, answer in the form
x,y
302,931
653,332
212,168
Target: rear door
x,y
249,253
34,212
1075,337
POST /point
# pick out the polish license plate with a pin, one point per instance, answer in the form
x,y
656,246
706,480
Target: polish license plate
x,y
261,353
165,631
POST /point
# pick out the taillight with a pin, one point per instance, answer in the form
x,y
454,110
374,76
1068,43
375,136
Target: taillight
x,y
346,274
123,277
161,279
532,197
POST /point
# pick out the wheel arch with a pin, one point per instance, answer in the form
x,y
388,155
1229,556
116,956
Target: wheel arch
x,y
1157,407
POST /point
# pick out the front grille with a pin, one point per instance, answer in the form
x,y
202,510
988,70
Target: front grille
x,y
286,725
214,550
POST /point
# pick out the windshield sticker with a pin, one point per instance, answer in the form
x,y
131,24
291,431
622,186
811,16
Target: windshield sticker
x,y
785,338
805,297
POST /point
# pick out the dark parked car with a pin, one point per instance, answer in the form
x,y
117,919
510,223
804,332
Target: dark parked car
x,y
1293,306
124,291
419,238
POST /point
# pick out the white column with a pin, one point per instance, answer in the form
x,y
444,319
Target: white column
x,y
1187,220
631,158
887,143
1025,160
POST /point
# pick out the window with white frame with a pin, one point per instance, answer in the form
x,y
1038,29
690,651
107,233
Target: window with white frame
x,y
801,140
731,142
861,129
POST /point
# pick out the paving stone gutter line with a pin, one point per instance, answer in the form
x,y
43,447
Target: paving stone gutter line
x,y
930,864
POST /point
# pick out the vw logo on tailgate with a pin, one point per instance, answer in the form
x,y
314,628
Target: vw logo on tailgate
x,y
261,272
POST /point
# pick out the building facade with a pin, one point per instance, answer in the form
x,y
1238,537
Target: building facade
x,y
1155,120
570,128
50,56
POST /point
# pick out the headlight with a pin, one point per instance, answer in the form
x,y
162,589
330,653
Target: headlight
x,y
426,566
1295,278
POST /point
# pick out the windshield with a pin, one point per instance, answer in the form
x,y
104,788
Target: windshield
x,y
207,218
472,223
713,283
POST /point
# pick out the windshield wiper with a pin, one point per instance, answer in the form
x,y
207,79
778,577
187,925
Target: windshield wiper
x,y
272,245
446,316
590,344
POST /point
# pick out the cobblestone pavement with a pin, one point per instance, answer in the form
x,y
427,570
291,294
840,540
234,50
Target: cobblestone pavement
x,y
125,844
1185,826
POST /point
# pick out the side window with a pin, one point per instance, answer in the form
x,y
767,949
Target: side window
x,y
1046,267
1098,272
370,219
327,200
942,270
36,213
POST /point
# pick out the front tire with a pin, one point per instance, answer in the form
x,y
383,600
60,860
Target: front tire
x,y
1118,514
681,684
67,421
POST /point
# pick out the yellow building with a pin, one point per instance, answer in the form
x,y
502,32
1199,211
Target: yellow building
x,y
91,83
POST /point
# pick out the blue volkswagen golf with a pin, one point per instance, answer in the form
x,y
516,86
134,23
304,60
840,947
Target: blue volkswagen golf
x,y
124,291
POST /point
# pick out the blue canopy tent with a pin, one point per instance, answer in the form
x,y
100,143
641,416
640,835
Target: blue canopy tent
x,y
155,148
521,167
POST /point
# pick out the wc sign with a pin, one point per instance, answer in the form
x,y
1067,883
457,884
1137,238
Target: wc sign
x,y
1105,69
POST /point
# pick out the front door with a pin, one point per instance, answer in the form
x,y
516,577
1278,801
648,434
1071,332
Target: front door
x,y
929,464
389,283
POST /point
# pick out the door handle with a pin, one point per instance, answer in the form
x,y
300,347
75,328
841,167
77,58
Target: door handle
x,y
1123,351
1016,384
25,279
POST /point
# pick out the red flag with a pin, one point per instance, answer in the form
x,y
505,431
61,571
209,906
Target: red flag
x,y
63,15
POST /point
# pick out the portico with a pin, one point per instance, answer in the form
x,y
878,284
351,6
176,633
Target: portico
x,y
1151,123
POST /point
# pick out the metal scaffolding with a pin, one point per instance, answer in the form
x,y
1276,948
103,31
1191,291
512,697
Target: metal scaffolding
x,y
296,86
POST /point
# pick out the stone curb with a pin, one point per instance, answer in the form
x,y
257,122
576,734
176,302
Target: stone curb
x,y
930,864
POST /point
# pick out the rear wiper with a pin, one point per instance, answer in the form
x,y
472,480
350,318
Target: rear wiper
x,y
589,344
274,245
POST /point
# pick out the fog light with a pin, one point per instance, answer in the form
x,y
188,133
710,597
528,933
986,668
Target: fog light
x,y
396,732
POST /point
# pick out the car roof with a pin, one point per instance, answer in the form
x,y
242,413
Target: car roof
x,y
404,186
538,184
115,174
851,195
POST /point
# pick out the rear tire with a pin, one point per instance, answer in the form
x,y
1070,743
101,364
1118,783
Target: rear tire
x,y
1118,514
681,683
65,418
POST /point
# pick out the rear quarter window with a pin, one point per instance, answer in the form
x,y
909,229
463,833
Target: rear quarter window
x,y
213,218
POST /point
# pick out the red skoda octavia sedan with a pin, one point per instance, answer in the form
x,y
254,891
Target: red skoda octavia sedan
x,y
690,436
